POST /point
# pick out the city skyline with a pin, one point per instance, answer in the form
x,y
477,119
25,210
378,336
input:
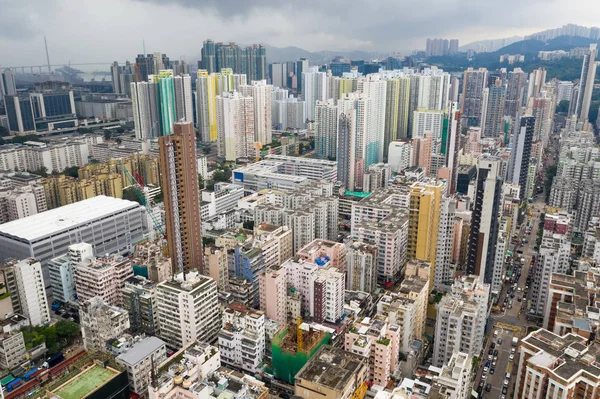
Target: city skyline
x,y
381,28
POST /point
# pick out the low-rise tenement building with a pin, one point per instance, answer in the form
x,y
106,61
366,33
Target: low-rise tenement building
x,y
377,340
140,301
12,344
102,277
324,251
331,373
100,323
198,375
139,360
554,366
401,311
572,304
454,381
242,338
361,270
415,286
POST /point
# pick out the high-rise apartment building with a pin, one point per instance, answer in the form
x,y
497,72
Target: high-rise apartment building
x,y
515,83
361,272
188,310
181,197
461,319
260,92
242,338
474,81
520,153
353,129
326,129
140,301
314,87
484,220
374,88
587,79
100,323
443,272
301,67
206,104
8,86
235,126
273,294
423,223
493,122
25,283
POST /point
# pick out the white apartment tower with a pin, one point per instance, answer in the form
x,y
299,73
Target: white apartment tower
x,y
314,87
188,310
235,126
25,282
260,92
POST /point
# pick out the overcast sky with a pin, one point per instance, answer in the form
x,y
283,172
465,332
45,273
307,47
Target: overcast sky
x,y
107,30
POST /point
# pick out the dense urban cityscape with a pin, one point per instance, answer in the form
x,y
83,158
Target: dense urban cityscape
x,y
246,226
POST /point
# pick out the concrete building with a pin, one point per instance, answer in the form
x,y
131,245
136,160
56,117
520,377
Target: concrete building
x,y
400,155
98,220
377,220
235,126
25,283
102,277
331,374
324,252
454,379
314,87
138,361
415,286
12,344
326,129
242,338
275,242
329,290
60,269
425,120
520,154
556,366
273,294
188,310
216,265
260,92
140,301
484,220
182,205
554,257
474,82
377,340
401,311
588,74
101,323
461,319
361,272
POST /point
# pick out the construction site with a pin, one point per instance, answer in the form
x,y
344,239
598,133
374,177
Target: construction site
x,y
293,346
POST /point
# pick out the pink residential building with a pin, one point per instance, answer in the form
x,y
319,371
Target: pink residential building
x,y
273,289
378,341
323,251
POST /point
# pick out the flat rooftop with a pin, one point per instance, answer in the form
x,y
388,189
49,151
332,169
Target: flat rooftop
x,y
43,224
141,350
85,383
332,368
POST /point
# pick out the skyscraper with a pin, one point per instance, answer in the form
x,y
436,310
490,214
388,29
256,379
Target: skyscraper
x,y
160,102
474,82
206,105
353,137
260,92
374,88
235,126
181,197
314,86
520,153
115,72
8,86
484,220
301,67
346,151
514,92
326,129
588,75
453,144
493,125
209,55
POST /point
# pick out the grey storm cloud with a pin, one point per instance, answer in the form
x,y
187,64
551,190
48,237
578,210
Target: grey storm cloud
x,y
114,29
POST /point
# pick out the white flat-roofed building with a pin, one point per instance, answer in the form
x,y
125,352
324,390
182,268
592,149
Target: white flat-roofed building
x,y
138,362
109,224
315,169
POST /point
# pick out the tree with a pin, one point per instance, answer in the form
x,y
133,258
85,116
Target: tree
x,y
107,134
43,171
120,130
301,148
221,175
129,194
206,149
200,182
158,198
84,130
93,161
73,171
248,225
550,173
562,107
67,329
4,132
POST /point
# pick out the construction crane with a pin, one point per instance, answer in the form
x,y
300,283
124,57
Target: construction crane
x,y
361,391
136,188
299,337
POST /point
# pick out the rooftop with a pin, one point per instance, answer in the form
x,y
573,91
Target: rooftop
x,y
85,383
141,350
43,224
332,368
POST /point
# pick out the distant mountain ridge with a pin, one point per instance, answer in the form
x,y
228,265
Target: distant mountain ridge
x,y
532,47
291,53
487,44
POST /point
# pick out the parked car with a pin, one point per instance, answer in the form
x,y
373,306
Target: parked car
x,y
492,371
488,387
